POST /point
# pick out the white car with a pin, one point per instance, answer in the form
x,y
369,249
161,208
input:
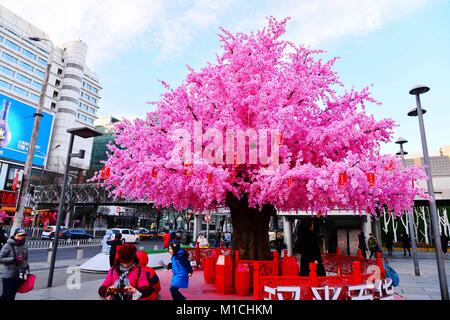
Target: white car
x,y
128,235
49,232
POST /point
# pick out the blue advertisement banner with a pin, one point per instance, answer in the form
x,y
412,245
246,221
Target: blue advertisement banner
x,y
16,125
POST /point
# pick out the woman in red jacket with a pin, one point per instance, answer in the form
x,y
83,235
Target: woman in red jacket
x,y
166,239
152,278
125,280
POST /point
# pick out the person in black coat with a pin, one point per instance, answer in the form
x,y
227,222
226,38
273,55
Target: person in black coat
x,y
309,247
444,242
406,244
362,244
114,244
389,243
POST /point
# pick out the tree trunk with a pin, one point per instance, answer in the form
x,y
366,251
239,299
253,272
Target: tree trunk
x,y
250,228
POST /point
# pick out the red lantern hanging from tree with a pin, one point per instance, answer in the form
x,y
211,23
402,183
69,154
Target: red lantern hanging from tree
x,y
154,173
210,178
342,179
106,172
371,178
289,182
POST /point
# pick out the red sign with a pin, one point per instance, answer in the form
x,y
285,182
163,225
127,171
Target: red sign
x,y
207,217
8,198
371,178
342,179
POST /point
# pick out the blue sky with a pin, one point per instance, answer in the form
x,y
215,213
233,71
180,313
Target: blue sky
x,y
392,44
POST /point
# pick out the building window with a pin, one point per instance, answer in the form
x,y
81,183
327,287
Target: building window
x,y
59,71
53,105
9,57
40,73
29,54
34,97
55,94
12,45
5,84
7,71
37,85
57,82
22,78
42,62
1,39
21,91
26,66
94,90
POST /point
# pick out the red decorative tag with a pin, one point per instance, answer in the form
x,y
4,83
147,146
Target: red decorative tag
x,y
289,181
154,173
106,172
412,183
280,139
371,178
210,178
389,166
342,179
187,170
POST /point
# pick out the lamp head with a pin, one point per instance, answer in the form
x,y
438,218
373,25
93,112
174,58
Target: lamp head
x,y
419,89
401,141
399,153
414,113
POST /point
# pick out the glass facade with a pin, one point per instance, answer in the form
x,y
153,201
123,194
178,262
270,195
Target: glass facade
x,y
6,71
9,57
22,78
40,74
26,66
37,85
21,91
29,55
34,97
12,45
5,84
42,62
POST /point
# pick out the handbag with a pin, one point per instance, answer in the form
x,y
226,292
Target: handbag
x,y
28,284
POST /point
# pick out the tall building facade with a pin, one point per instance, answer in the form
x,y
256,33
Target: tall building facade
x,y
71,99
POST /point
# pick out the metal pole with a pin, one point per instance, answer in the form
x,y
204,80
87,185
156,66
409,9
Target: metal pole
x,y
60,212
412,233
18,217
434,217
287,230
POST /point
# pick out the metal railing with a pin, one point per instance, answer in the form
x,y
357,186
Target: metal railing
x,y
35,233
45,244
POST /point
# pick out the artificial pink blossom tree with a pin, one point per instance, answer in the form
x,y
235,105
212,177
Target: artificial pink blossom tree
x,y
326,146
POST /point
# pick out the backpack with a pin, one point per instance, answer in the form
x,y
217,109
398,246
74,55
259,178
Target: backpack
x,y
392,274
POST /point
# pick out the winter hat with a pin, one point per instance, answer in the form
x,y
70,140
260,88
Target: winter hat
x,y
127,253
175,245
143,258
19,231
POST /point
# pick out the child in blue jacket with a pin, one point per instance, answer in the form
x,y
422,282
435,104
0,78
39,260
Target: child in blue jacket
x,y
181,268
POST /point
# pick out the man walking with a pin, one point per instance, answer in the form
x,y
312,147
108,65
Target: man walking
x,y
406,244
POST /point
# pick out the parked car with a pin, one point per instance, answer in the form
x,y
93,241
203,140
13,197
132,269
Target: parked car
x,y
144,234
49,232
128,235
76,234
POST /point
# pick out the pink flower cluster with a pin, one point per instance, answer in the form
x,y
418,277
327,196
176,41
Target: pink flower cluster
x,y
262,82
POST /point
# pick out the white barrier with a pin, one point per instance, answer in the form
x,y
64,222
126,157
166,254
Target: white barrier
x,y
46,244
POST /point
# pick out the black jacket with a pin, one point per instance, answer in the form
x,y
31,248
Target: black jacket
x,y
114,244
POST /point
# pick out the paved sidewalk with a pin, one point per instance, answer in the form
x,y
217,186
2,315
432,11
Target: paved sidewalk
x,y
423,287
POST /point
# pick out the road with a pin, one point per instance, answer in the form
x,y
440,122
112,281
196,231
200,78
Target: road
x,y
41,255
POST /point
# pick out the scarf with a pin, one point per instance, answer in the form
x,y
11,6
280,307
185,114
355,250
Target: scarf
x,y
123,282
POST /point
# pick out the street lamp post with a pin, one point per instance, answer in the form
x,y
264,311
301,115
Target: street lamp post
x,y
18,217
410,216
84,133
418,112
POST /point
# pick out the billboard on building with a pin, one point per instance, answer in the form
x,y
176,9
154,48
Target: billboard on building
x,y
16,125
